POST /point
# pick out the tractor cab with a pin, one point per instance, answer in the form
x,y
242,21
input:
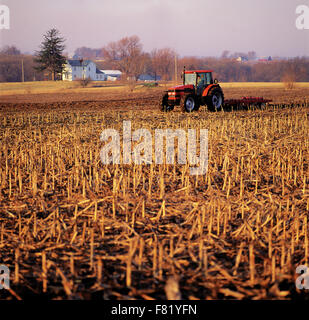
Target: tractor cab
x,y
198,88
198,78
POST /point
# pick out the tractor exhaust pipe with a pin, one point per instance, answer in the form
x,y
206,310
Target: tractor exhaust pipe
x,y
184,75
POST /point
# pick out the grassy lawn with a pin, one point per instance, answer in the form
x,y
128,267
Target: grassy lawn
x,y
12,88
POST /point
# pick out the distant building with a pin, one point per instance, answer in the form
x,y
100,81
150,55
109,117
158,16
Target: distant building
x,y
266,59
242,59
112,75
77,69
148,78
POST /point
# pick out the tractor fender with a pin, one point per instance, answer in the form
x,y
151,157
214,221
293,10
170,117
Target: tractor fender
x,y
206,90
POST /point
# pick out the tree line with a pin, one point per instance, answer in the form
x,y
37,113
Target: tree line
x,y
127,55
15,66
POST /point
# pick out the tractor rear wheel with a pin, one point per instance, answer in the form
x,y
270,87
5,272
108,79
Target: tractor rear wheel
x,y
189,103
164,104
215,99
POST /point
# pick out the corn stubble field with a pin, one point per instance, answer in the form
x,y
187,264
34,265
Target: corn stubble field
x,y
73,228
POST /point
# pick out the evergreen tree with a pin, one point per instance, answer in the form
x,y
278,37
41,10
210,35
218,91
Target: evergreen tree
x,y
50,57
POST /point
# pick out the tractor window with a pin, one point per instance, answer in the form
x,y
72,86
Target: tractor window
x,y
201,79
208,78
200,83
190,78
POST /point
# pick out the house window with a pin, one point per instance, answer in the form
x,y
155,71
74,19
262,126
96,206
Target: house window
x,y
74,68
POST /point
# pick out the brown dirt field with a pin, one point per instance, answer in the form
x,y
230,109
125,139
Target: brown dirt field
x,y
72,228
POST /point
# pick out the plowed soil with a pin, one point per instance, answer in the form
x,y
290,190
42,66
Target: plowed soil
x,y
72,228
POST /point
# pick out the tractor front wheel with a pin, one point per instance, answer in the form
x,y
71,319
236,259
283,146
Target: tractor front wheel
x,y
164,104
189,103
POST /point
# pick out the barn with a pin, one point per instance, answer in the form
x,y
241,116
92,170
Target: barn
x,y
148,78
112,75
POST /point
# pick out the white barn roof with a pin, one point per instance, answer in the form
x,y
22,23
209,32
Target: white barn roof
x,y
112,72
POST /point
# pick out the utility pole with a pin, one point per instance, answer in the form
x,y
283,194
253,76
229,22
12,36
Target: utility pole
x,y
176,68
22,71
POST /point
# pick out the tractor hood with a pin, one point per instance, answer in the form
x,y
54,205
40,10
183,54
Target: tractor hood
x,y
182,88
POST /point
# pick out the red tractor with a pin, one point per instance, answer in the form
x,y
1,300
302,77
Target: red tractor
x,y
198,89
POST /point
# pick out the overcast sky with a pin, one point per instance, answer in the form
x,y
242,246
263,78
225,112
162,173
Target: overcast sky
x,y
191,27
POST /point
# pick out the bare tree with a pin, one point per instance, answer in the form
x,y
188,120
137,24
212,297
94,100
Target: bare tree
x,y
225,54
84,82
163,62
191,62
126,55
289,76
251,55
10,51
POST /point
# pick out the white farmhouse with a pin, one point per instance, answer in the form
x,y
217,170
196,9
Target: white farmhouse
x,y
82,69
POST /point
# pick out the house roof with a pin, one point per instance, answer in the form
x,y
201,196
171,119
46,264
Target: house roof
x,y
98,71
78,62
112,72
